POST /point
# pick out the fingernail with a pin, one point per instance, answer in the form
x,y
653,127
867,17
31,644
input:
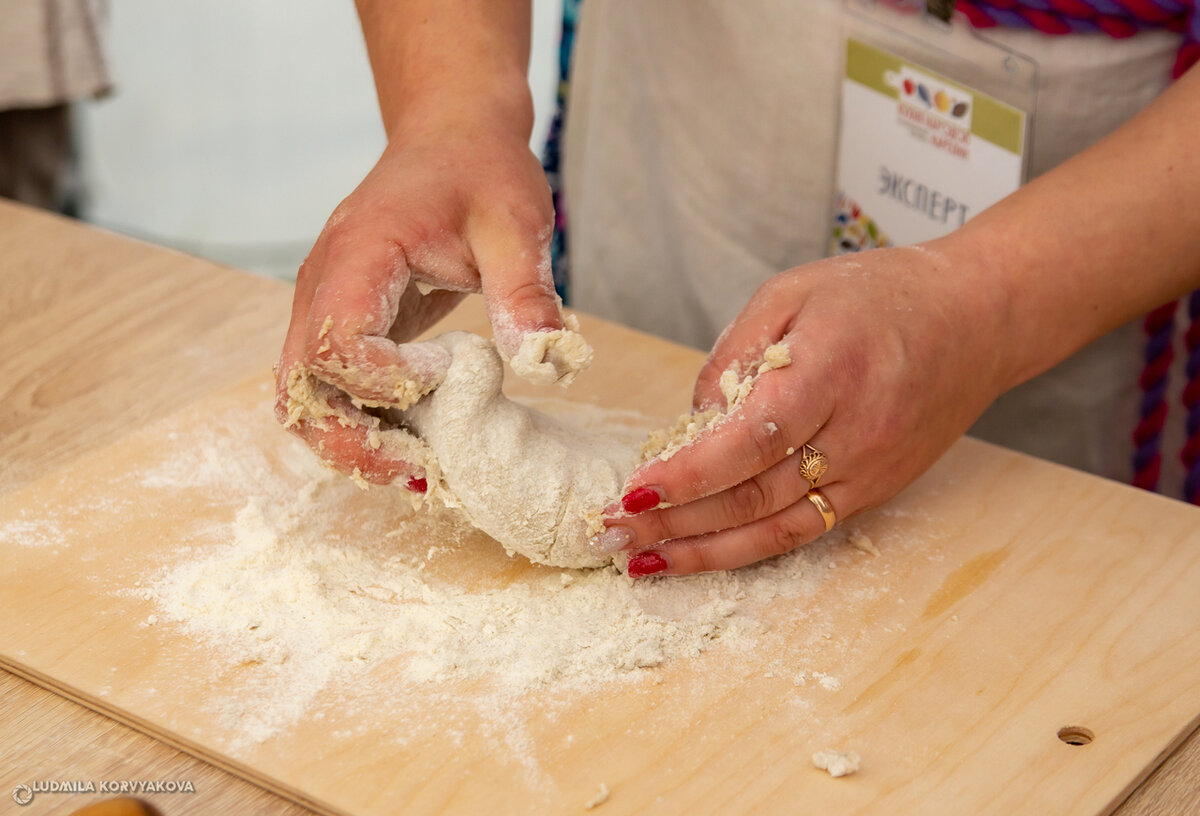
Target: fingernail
x,y
614,538
644,498
417,485
646,563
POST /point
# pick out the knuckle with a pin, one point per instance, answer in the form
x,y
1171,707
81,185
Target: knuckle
x,y
779,539
528,217
528,291
707,394
427,239
701,558
330,353
692,480
656,526
338,237
747,501
769,441
306,272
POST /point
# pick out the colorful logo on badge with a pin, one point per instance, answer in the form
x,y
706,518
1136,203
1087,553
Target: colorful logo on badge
x,y
938,99
922,90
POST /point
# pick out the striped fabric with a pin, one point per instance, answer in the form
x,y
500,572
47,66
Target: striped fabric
x,y
1116,18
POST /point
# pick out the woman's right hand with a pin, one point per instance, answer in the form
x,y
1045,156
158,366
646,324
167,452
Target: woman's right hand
x,y
457,203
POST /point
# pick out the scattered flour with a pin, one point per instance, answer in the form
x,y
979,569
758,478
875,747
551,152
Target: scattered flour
x,y
283,595
30,532
315,586
828,682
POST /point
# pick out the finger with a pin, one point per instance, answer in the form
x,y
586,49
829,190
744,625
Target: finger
x,y
346,332
513,256
762,495
760,323
777,534
784,409
351,444
293,343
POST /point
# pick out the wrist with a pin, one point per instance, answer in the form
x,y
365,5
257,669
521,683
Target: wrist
x,y
990,309
496,107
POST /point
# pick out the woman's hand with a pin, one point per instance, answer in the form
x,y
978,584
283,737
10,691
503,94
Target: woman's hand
x,y
894,353
457,203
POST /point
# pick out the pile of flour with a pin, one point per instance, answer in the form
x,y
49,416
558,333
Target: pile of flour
x,y
299,601
284,593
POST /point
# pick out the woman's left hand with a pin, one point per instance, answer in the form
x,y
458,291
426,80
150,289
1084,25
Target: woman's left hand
x,y
894,353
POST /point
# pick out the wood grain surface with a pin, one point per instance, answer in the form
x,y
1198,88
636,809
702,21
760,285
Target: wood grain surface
x,y
94,338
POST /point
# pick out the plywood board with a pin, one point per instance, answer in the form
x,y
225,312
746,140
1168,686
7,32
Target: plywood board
x,y
1010,598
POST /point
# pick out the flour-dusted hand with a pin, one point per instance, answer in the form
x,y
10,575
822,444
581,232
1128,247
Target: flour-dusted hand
x,y
892,356
442,213
457,203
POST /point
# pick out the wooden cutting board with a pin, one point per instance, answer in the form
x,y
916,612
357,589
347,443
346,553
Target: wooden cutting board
x,y
1011,599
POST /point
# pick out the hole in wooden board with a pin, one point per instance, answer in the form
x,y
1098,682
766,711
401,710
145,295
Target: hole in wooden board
x,y
1076,735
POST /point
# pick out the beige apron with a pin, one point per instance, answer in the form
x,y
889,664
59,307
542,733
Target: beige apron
x,y
699,161
51,52
50,56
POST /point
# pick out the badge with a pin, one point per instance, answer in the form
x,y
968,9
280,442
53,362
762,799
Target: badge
x,y
921,151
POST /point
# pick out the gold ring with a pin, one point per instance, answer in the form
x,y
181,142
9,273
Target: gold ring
x,y
813,464
823,507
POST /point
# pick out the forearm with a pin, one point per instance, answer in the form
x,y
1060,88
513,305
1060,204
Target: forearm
x,y
1108,235
449,58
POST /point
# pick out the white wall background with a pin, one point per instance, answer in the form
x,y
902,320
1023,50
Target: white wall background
x,y
237,127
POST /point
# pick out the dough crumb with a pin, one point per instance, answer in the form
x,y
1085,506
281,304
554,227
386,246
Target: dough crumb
x,y
308,400
861,541
776,356
662,443
325,327
549,357
374,440
837,763
599,799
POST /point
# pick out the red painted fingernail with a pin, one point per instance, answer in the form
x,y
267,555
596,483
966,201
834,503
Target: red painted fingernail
x,y
646,563
417,485
644,498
